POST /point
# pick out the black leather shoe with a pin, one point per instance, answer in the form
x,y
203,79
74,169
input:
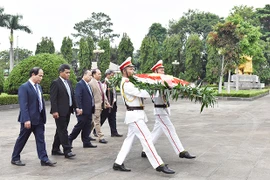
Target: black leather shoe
x,y
18,163
120,167
164,169
58,153
143,155
92,139
47,163
89,146
69,155
116,135
186,155
103,141
95,134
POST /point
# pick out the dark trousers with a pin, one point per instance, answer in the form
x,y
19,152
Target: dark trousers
x,y
111,115
38,131
83,125
61,134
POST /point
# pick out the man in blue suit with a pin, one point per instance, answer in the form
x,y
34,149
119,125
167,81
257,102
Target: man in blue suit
x,y
32,118
85,102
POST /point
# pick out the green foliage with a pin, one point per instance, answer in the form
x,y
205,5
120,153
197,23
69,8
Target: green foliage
x,y
148,54
213,65
263,14
83,56
3,17
22,54
45,46
48,62
13,99
244,93
247,13
66,49
104,58
125,49
98,26
2,80
194,22
156,30
172,50
114,54
193,63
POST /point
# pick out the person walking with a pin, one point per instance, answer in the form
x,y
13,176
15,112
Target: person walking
x,y
163,123
135,119
32,117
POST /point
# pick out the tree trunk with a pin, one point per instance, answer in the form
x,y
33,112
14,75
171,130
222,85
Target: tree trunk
x,y
236,80
221,75
229,82
11,53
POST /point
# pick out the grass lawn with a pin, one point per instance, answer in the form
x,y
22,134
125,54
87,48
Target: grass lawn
x,y
243,93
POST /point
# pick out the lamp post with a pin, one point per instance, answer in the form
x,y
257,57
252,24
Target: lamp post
x,y
97,52
175,63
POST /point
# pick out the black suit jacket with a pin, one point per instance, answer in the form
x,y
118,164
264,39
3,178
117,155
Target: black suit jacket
x,y
59,98
84,98
29,105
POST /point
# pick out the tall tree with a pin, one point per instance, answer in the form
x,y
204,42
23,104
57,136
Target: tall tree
x,y
194,47
247,13
66,49
45,46
264,17
91,47
173,50
83,56
213,65
104,58
125,48
98,26
13,23
3,18
4,56
148,54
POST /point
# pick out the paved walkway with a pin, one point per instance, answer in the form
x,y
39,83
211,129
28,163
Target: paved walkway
x,y
231,141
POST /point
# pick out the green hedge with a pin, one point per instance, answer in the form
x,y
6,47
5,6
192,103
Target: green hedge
x,y
244,93
48,62
13,99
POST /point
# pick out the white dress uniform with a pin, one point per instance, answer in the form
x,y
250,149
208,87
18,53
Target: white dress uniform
x,y
163,123
135,119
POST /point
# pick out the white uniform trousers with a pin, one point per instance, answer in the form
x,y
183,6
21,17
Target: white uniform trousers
x,y
164,125
140,130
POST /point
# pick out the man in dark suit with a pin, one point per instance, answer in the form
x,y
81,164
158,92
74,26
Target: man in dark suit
x,y
110,113
32,118
62,105
85,101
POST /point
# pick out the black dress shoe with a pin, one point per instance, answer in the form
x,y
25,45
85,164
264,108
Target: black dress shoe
x,y
185,154
165,169
103,141
58,153
92,139
120,167
143,155
69,155
47,163
95,135
116,135
17,163
89,146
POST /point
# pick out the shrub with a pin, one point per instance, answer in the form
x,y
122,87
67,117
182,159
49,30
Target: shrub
x,y
13,99
48,62
2,80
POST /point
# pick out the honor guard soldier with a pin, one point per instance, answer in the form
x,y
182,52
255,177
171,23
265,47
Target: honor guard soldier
x,y
163,123
135,119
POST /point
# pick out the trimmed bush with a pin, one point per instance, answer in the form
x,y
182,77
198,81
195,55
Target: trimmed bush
x,y
13,99
48,62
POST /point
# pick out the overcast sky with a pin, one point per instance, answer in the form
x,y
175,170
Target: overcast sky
x,y
56,18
